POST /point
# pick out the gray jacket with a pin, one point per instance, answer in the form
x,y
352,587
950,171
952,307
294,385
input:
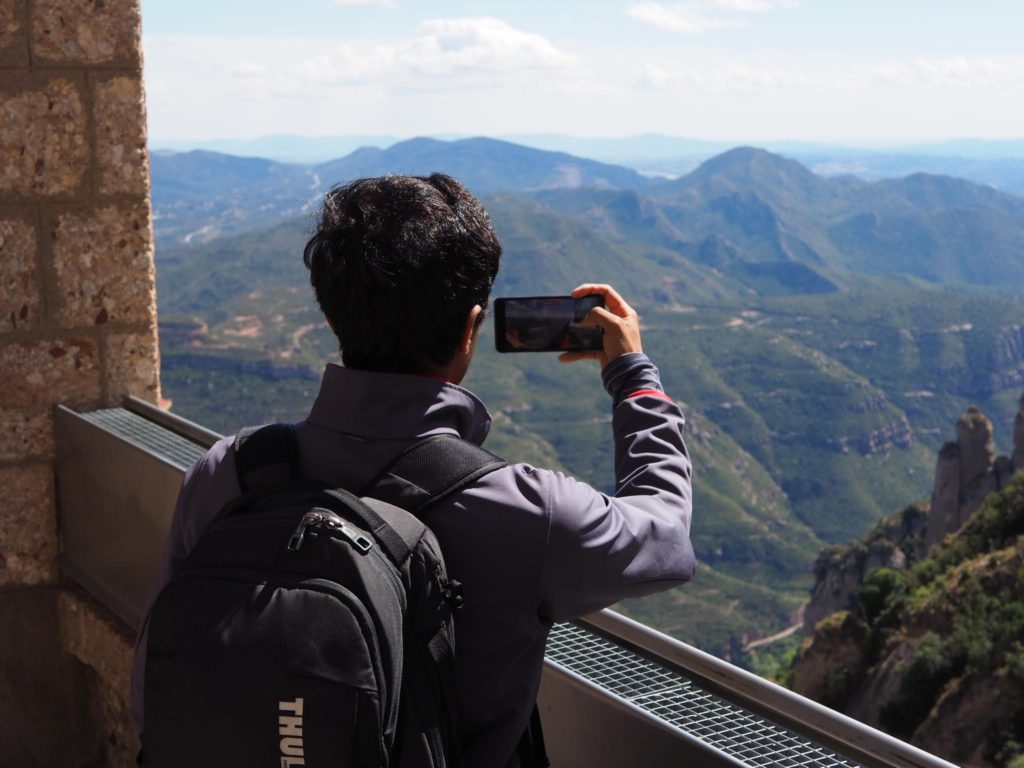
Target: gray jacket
x,y
531,546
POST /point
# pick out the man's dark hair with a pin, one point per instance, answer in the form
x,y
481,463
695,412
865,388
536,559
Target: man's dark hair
x,y
397,263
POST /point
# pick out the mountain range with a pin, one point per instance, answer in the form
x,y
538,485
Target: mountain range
x,y
997,163
821,333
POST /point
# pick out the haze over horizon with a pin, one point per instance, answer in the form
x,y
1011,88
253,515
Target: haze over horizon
x,y
742,71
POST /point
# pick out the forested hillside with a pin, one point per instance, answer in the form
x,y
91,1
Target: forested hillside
x,y
935,653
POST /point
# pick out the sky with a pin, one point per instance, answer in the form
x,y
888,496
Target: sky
x,y
859,72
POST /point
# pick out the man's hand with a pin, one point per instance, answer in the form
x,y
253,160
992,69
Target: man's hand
x,y
620,323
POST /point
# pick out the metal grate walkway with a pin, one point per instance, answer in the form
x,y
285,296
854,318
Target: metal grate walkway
x,y
678,701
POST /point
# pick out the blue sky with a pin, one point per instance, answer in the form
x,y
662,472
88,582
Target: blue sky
x,y
864,72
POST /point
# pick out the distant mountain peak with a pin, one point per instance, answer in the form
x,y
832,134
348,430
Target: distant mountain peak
x,y
758,172
747,161
485,165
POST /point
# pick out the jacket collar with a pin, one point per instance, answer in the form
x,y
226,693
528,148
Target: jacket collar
x,y
396,406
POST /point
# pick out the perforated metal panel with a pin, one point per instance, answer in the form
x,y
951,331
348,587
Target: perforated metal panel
x,y
147,435
675,699
118,475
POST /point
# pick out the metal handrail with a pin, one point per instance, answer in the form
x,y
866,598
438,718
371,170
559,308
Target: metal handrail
x,y
768,698
197,433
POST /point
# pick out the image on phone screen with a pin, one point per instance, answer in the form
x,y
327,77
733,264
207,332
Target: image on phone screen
x,y
545,324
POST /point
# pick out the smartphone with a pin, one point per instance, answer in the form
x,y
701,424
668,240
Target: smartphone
x,y
546,324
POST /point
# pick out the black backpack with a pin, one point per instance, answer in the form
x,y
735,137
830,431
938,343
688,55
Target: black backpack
x,y
310,626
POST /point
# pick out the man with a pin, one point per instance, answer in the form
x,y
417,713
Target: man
x,y
402,268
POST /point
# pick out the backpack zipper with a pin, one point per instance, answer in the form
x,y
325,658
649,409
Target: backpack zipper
x,y
363,544
320,517
334,524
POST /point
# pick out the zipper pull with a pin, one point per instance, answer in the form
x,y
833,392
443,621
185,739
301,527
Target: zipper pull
x,y
308,519
362,543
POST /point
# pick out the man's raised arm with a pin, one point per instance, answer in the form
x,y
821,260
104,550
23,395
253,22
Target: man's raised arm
x,y
603,548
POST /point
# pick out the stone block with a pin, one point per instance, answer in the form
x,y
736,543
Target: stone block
x,y
120,110
28,525
86,31
13,50
10,22
104,262
133,366
19,290
106,645
34,375
43,147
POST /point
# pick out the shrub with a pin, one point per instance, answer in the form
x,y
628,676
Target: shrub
x,y
882,588
924,676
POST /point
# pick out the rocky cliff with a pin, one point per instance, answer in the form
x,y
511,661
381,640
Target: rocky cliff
x,y
919,628
967,470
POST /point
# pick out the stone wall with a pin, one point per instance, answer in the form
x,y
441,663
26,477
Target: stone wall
x,y
77,304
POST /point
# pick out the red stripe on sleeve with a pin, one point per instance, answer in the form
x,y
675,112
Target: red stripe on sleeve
x,y
654,392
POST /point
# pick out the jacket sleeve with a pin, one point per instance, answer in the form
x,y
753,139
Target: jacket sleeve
x,y
603,548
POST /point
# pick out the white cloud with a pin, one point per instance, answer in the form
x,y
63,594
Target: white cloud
x,y
700,16
443,66
453,48
933,74
446,45
951,71
245,70
735,76
741,6
688,18
351,3
344,65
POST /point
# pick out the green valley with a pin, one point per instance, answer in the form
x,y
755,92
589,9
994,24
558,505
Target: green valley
x,y
819,360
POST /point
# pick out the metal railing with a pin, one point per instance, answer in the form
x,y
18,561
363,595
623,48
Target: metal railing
x,y
614,692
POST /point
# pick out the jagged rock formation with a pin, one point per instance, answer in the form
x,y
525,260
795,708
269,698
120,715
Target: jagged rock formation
x,y
917,628
1018,437
966,471
896,542
933,654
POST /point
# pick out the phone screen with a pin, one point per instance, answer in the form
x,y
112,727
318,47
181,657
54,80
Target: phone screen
x,y
545,324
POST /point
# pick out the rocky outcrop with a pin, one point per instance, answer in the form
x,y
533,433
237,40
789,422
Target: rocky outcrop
x,y
966,472
933,655
1005,368
832,668
894,434
896,542
1017,459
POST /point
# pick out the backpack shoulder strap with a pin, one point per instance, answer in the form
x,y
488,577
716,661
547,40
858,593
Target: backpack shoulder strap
x,y
431,470
267,460
266,457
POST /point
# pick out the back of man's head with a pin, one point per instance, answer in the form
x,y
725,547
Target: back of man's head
x,y
397,263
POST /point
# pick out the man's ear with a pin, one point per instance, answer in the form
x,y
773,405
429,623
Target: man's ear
x,y
471,329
